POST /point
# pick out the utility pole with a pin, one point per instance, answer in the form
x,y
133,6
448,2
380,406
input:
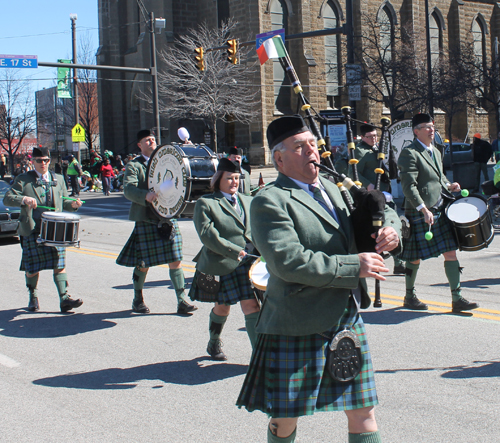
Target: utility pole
x,y
154,77
429,60
73,18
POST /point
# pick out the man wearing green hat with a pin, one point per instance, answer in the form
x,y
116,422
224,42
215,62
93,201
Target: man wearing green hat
x,y
30,191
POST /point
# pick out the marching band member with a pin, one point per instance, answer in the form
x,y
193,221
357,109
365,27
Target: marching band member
x,y
222,220
147,245
30,190
302,227
366,153
236,155
424,186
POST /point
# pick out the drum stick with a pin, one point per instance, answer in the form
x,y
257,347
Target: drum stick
x,y
249,255
73,199
46,207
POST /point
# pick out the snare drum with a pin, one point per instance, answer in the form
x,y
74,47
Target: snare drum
x,y
59,229
180,174
259,275
471,222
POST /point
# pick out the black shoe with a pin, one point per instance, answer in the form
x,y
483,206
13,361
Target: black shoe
x,y
33,304
215,351
463,305
185,308
415,304
140,308
70,303
399,270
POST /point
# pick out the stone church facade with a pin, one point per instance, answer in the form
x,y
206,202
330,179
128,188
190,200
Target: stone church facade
x,y
319,61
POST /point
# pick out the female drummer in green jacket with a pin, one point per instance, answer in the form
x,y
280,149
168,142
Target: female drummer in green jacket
x,y
222,220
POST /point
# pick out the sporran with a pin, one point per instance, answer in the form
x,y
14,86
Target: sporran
x,y
344,356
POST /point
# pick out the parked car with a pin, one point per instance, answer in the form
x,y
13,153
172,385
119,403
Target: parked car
x,y
462,153
9,217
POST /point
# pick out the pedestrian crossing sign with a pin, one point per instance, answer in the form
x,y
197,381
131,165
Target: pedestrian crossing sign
x,y
78,133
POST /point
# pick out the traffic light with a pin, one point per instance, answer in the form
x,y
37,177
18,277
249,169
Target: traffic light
x,y
200,61
232,50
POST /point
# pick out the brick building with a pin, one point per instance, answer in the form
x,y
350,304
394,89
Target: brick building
x,y
320,61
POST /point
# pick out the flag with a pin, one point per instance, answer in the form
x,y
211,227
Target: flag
x,y
271,48
63,84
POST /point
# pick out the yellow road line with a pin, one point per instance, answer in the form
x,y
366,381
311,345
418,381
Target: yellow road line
x,y
93,252
441,307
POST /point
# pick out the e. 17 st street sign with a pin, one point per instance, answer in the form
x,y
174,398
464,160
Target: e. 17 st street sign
x,y
18,61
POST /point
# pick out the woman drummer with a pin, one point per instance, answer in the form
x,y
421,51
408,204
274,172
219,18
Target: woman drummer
x,y
222,220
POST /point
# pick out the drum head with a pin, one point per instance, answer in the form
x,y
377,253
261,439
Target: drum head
x,y
466,210
167,175
60,216
259,274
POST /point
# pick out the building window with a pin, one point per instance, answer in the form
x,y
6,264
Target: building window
x,y
386,29
279,20
436,38
332,63
222,11
479,41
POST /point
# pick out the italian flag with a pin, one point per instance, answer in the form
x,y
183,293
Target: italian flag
x,y
271,48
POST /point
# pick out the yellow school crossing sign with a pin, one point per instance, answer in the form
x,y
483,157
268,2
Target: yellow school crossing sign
x,y
78,133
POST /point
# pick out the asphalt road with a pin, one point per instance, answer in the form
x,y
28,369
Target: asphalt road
x,y
104,374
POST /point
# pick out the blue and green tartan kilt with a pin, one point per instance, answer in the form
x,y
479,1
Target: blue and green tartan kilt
x,y
417,247
287,376
234,287
145,247
36,257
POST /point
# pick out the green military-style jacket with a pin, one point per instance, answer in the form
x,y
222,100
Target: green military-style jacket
x,y
222,232
135,189
26,185
422,177
312,260
367,163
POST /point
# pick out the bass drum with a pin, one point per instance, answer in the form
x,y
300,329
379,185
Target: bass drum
x,y
471,222
180,174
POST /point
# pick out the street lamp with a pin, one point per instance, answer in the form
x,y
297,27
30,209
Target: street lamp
x,y
73,18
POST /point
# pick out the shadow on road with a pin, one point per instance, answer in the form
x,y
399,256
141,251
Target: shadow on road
x,y
479,283
394,316
48,325
156,283
184,372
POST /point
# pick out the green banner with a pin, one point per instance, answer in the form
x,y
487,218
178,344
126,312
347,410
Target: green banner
x,y
63,83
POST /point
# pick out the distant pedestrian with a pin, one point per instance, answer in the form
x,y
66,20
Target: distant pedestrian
x,y
481,151
3,166
106,175
74,171
495,146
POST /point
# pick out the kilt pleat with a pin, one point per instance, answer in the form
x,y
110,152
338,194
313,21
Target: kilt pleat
x,y
417,247
234,287
145,247
37,257
287,376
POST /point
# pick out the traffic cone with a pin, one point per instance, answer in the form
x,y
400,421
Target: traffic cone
x,y
261,180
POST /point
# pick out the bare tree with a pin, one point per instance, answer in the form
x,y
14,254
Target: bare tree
x,y
453,79
393,68
17,116
222,92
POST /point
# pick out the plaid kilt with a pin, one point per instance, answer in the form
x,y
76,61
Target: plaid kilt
x,y
145,247
36,257
417,247
287,376
234,287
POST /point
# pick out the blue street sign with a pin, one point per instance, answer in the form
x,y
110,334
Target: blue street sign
x,y
261,38
18,61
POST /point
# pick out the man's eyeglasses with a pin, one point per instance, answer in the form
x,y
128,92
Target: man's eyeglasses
x,y
42,160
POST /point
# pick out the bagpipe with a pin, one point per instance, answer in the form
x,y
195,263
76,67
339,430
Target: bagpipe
x,y
366,207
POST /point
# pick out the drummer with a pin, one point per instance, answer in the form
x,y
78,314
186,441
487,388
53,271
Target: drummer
x,y
424,186
41,187
149,245
222,220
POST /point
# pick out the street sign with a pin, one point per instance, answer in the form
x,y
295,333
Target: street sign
x,y
18,61
76,147
261,38
78,133
354,92
353,74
